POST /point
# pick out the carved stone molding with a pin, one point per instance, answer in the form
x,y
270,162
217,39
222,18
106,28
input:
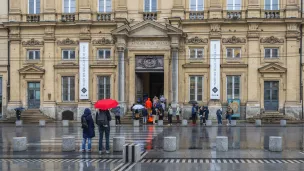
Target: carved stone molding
x,y
120,49
33,42
292,27
253,27
197,40
292,34
14,33
67,41
271,40
215,27
234,40
149,62
103,41
253,35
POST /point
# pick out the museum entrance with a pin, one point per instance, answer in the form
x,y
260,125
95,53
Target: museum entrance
x,y
148,85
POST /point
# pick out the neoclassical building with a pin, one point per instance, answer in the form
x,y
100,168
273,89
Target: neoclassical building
x,y
67,54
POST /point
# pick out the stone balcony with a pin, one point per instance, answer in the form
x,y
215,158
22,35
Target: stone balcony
x,y
196,15
150,15
272,14
70,17
32,17
234,15
104,16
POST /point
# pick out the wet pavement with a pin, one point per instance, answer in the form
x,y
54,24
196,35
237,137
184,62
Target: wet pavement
x,y
248,148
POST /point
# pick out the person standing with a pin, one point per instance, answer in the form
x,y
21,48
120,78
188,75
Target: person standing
x,y
193,114
170,114
88,129
178,112
117,116
148,106
229,113
145,115
206,111
202,116
103,119
133,111
219,114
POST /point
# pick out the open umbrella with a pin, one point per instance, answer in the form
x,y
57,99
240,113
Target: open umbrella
x,y
106,104
138,107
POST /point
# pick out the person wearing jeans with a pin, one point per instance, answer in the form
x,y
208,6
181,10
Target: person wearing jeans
x,y
104,129
229,113
170,114
87,133
219,114
145,115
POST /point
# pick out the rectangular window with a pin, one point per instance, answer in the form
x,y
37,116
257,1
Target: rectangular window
x,y
33,54
104,53
68,54
104,86
233,53
68,89
69,6
196,5
271,52
105,5
234,4
196,53
196,88
271,4
233,87
150,5
34,6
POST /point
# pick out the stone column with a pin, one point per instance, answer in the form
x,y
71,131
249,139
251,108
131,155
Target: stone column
x,y
121,78
292,104
84,10
253,104
15,62
174,72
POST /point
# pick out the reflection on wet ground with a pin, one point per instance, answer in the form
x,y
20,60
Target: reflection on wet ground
x,y
196,146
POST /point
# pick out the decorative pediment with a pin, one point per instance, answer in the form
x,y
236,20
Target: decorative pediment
x,y
31,69
234,40
33,42
272,68
67,41
147,28
103,41
197,40
271,40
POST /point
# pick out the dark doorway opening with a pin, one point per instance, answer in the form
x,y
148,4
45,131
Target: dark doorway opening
x,y
67,115
149,85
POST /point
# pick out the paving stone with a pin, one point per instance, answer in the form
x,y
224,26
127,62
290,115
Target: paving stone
x,y
275,144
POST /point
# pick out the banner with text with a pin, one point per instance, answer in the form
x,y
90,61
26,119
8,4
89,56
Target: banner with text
x,y
215,60
84,70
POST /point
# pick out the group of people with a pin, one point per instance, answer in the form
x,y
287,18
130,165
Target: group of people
x,y
203,113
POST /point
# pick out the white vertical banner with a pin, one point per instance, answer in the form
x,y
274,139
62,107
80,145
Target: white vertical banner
x,y
84,70
215,69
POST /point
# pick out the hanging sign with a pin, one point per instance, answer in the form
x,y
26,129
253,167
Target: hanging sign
x,y
83,70
215,71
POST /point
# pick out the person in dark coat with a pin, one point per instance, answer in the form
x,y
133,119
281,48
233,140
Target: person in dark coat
x,y
206,111
88,133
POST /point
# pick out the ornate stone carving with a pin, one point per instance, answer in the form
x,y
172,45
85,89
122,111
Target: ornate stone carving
x,y
85,29
292,27
271,40
150,62
33,42
253,27
103,41
197,40
215,27
67,41
120,49
234,40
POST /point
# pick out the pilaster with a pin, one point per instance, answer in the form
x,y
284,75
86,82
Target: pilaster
x,y
178,9
84,10
215,11
15,10
49,11
122,10
253,104
174,72
254,9
292,9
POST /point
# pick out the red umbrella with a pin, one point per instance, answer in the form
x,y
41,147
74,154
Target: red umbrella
x,y
106,104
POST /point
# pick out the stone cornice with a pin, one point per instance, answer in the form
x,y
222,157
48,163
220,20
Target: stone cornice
x,y
196,65
234,65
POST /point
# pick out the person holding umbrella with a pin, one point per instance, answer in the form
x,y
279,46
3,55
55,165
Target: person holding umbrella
x,y
103,119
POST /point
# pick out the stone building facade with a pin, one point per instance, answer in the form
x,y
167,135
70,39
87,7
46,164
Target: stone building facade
x,y
3,58
67,54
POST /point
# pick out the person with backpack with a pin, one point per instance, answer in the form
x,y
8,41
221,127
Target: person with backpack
x,y
117,115
194,114
88,132
170,114
103,119
219,114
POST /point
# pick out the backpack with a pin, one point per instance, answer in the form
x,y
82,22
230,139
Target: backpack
x,y
102,119
84,123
